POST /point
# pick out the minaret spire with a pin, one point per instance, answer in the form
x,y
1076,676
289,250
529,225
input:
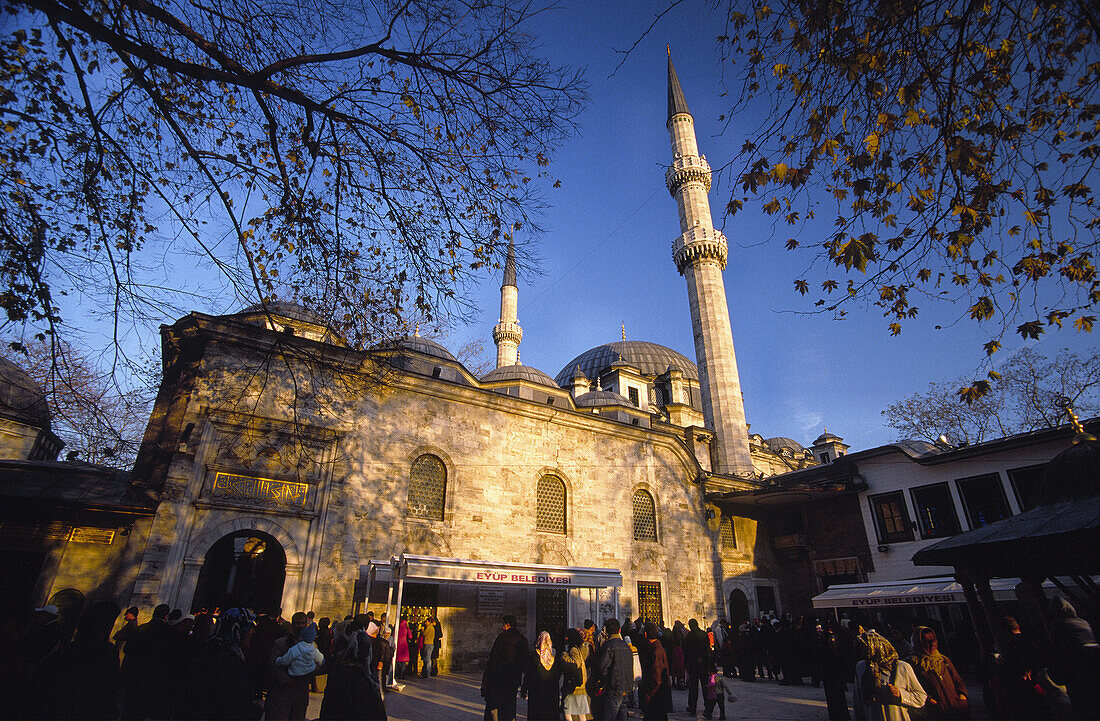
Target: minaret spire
x,y
700,254
507,334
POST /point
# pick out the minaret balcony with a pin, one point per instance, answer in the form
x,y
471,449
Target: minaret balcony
x,y
686,169
507,331
700,245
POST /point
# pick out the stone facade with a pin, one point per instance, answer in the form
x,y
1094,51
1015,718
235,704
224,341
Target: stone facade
x,y
345,449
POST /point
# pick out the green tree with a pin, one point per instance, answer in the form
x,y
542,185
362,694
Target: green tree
x,y
957,140
357,158
1030,395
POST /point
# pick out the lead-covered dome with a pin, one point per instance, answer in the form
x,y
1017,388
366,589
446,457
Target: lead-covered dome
x,y
651,359
286,309
419,344
519,373
601,399
21,398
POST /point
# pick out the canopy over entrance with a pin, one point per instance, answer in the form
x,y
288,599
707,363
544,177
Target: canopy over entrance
x,y
431,569
906,593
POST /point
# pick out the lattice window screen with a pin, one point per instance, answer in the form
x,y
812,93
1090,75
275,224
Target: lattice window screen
x,y
645,517
427,488
725,531
550,505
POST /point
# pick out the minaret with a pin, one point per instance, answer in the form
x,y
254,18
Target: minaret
x,y
507,334
700,255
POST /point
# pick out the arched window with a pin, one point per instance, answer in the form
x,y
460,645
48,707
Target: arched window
x,y
427,488
550,505
645,517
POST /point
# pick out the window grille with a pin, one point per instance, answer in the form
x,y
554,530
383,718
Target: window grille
x,y
427,488
550,505
649,602
725,530
645,517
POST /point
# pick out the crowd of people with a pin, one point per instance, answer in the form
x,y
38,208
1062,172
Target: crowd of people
x,y
236,664
894,676
231,664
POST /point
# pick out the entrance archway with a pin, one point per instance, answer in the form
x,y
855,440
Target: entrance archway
x,y
739,607
247,569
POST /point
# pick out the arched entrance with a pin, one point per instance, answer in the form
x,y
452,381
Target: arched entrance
x,y
246,568
739,607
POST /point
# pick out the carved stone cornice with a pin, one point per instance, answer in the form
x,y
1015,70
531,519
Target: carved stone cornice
x,y
687,169
700,245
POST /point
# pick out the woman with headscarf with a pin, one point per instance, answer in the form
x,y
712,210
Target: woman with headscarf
x,y
885,687
352,691
542,682
221,687
575,702
947,697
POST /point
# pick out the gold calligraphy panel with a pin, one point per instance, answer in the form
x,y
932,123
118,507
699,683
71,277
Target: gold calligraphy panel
x,y
260,490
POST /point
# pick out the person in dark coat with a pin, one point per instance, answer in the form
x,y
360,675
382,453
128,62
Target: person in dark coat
x,y
1021,661
125,633
542,682
616,674
287,698
836,670
1075,660
221,685
80,679
145,671
352,691
504,672
655,691
696,654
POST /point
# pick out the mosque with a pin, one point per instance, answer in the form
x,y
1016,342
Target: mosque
x,y
281,468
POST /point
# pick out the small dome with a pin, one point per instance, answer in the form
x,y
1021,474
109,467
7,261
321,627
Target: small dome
x,y
649,358
600,399
286,309
827,437
21,398
780,443
420,345
519,373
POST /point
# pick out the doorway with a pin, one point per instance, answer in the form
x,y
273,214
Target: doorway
x,y
245,569
739,607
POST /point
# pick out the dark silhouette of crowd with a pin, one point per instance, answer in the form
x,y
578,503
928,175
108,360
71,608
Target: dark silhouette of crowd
x,y
231,664
894,675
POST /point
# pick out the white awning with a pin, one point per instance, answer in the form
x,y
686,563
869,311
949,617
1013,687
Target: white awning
x,y
430,569
906,593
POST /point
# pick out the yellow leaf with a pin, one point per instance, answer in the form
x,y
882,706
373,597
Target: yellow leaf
x,y
780,70
871,143
779,172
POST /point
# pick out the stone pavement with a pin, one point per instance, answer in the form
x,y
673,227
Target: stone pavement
x,y
456,697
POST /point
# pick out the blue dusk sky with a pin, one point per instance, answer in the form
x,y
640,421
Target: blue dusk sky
x,y
606,251
606,248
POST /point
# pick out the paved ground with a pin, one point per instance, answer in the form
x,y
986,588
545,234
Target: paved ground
x,y
455,697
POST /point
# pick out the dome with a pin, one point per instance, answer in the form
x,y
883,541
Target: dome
x,y
286,309
519,373
827,437
649,358
779,443
600,399
21,398
420,345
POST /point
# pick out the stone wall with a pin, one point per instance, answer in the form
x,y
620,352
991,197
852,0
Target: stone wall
x,y
352,441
